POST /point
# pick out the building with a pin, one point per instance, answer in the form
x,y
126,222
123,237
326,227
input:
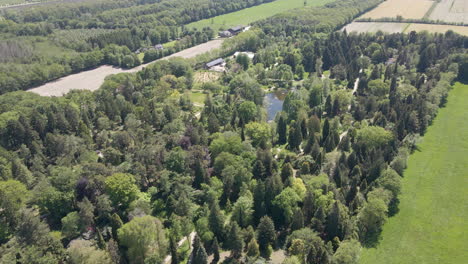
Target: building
x,y
217,62
236,30
225,34
218,65
159,47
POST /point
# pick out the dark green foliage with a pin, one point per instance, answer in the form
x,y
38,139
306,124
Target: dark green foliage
x,y
198,252
266,234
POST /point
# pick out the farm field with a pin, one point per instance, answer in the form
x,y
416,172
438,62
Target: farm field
x,y
372,27
437,28
249,15
388,27
451,11
431,226
413,9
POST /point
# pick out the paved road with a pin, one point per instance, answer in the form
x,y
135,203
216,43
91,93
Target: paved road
x,y
93,79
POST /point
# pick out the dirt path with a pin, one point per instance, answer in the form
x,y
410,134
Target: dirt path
x,y
93,79
168,258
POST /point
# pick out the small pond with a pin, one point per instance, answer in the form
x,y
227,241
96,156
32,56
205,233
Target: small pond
x,y
274,103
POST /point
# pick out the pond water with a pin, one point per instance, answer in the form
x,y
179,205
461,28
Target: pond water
x,y
274,103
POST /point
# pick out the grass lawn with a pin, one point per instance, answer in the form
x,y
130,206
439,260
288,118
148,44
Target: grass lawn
x,y
252,14
197,97
431,226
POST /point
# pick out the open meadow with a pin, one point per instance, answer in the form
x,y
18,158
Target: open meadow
x,y
451,11
431,225
413,9
252,14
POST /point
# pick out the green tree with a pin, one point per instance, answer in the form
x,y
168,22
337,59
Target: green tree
x,y
287,202
236,243
371,218
253,249
143,237
121,189
83,252
242,211
216,221
13,195
86,212
373,137
71,225
266,233
259,133
282,129
347,253
295,136
198,252
247,111
215,250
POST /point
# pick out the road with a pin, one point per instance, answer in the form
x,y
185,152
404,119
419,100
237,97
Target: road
x,y
93,79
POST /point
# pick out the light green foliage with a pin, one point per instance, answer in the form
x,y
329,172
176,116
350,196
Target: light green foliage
x,y
13,195
242,211
144,237
378,87
247,111
343,97
391,181
71,225
347,253
253,249
299,187
287,201
84,252
371,218
292,260
430,226
373,136
260,133
227,142
404,90
121,189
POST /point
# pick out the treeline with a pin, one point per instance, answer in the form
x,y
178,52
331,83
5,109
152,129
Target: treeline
x,y
311,20
400,19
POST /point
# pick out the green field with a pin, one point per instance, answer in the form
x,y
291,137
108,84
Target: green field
x,y
252,14
432,225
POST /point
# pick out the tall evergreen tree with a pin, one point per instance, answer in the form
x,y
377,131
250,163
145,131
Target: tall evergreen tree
x,y
216,221
266,234
282,129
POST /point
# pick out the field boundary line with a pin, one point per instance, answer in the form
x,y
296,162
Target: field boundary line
x,y
406,28
431,9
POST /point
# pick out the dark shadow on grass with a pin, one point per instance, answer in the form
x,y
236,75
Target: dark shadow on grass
x,y
393,207
372,240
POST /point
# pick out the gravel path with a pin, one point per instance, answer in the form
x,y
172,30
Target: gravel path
x,y
93,79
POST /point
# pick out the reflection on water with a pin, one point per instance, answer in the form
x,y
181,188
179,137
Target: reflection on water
x,y
274,103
